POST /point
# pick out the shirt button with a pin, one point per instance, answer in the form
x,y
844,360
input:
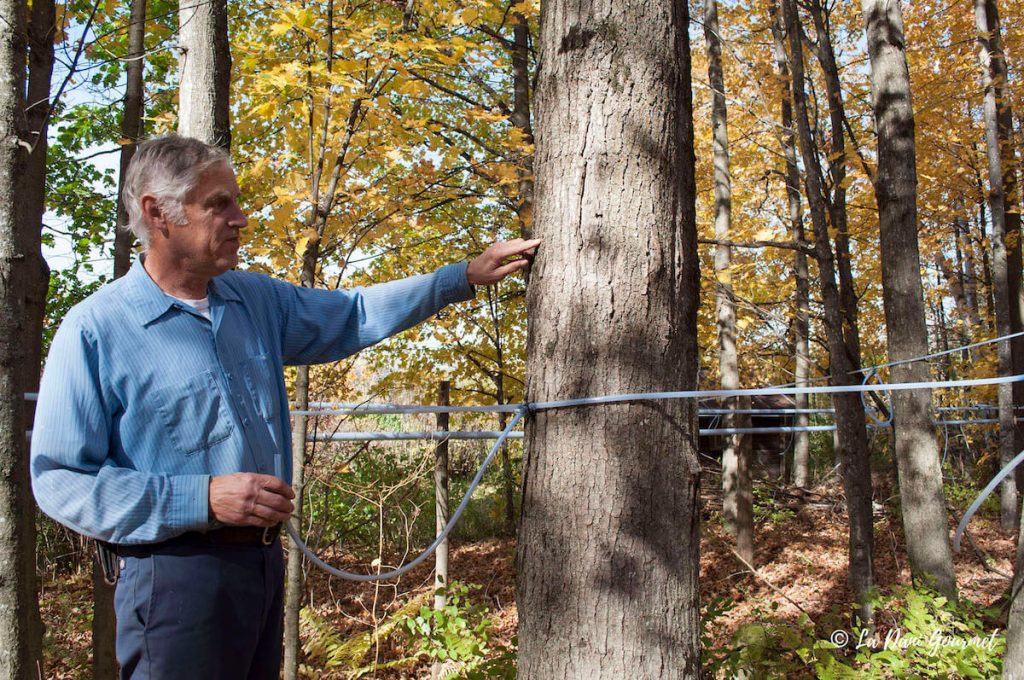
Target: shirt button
x,y
230,377
245,421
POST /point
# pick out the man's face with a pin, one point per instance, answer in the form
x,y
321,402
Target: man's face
x,y
208,242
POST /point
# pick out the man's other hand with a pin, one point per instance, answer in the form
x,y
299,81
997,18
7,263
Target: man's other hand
x,y
500,260
250,499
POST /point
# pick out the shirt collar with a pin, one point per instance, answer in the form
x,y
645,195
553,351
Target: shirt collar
x,y
150,302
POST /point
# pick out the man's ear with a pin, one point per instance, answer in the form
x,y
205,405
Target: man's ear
x,y
153,214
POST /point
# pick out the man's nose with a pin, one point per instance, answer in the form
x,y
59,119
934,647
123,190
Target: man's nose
x,y
238,220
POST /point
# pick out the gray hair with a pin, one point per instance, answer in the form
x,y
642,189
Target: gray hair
x,y
168,167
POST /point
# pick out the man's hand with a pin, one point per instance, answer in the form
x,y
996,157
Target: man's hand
x,y
249,499
494,264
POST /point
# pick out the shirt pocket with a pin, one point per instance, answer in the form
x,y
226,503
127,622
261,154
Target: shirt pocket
x,y
195,413
261,379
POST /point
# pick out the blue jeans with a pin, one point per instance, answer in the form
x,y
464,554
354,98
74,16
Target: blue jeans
x,y
193,612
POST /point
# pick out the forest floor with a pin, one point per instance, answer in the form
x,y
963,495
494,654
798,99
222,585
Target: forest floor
x,y
801,543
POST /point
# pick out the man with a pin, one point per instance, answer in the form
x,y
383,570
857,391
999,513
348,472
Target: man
x,y
162,425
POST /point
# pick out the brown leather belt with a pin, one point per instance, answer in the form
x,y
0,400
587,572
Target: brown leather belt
x,y
224,536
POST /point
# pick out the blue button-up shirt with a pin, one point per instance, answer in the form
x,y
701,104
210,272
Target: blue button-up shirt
x,y
143,399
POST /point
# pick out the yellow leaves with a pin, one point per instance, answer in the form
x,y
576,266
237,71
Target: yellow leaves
x,y
414,88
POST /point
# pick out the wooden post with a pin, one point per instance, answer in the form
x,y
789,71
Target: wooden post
x,y
441,496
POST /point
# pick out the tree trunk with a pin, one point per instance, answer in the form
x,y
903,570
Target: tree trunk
x,y
441,510
295,579
734,493
802,303
204,111
920,474
837,173
20,653
521,119
851,431
131,130
1003,220
608,546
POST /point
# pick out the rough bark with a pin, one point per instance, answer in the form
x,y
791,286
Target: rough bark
x,y
802,301
1003,221
204,111
851,431
923,503
20,651
131,130
608,544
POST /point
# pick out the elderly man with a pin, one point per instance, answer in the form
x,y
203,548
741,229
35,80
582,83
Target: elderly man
x,y
162,425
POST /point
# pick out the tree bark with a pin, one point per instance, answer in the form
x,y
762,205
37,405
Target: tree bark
x,y
851,431
608,545
1005,230
204,111
802,303
20,257
131,130
923,503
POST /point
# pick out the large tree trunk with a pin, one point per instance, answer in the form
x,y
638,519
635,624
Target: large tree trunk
x,y
1005,230
608,545
131,130
20,269
851,431
802,303
204,112
736,500
920,475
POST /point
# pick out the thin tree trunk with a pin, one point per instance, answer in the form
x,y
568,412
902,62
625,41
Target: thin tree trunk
x,y
131,130
441,509
20,651
923,503
733,492
608,546
837,173
521,119
802,302
294,574
204,111
851,432
994,78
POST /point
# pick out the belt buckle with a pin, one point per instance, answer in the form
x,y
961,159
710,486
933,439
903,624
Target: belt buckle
x,y
268,537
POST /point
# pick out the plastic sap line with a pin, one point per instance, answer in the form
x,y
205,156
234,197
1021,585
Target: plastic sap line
x,y
688,394
944,352
395,573
770,391
985,493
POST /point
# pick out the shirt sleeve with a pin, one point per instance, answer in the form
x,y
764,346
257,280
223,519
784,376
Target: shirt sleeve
x,y
75,480
327,325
